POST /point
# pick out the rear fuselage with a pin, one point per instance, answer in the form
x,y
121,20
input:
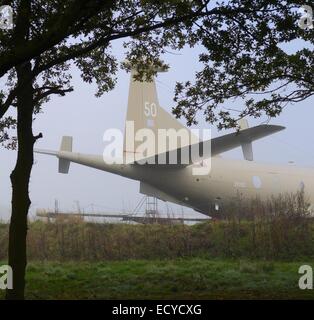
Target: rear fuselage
x,y
227,179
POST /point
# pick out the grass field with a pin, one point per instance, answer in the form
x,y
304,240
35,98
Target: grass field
x,y
230,259
192,278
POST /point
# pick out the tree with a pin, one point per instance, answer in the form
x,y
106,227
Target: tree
x,y
43,70
63,20
246,62
51,36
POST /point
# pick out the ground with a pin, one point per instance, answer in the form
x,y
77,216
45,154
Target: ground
x,y
193,278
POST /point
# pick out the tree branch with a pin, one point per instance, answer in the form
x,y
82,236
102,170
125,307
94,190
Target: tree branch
x,y
64,25
52,90
104,41
6,105
39,136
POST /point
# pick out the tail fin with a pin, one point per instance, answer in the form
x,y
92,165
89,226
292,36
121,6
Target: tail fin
x,y
144,112
247,148
66,145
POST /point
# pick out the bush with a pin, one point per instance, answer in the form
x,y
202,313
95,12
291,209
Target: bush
x,y
277,229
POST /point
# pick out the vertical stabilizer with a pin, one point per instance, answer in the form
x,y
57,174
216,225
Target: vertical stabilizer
x,y
247,148
144,112
66,145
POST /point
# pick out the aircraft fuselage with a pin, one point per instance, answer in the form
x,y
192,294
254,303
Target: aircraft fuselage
x,y
227,179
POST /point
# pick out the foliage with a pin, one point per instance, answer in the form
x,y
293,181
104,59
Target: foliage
x,y
55,35
246,62
277,229
241,51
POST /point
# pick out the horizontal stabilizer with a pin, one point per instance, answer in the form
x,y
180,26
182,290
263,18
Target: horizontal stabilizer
x,y
236,139
66,146
215,146
49,152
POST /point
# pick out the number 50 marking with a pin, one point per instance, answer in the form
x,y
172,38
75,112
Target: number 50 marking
x,y
150,109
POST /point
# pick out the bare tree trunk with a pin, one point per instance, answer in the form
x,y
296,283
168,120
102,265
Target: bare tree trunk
x,y
20,177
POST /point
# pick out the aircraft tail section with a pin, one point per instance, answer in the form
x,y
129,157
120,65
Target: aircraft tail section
x,y
247,148
145,117
66,145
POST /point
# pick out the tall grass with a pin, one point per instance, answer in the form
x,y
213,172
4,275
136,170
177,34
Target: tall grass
x,y
280,228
